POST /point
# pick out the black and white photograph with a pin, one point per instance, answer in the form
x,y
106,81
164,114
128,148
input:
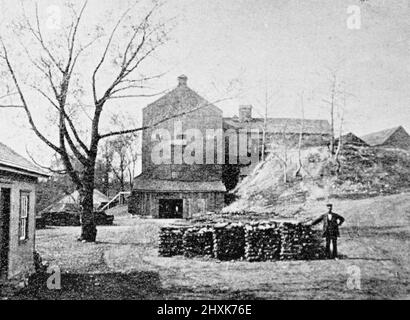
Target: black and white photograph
x,y
182,151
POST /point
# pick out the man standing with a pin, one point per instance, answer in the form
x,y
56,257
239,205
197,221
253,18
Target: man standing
x,y
331,223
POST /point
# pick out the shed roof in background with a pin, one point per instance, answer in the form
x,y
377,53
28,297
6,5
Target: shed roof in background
x,y
71,202
380,137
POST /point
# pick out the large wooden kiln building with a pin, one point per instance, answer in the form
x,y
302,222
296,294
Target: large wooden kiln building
x,y
177,189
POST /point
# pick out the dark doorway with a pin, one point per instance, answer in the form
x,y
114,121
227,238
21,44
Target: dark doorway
x,y
170,208
4,230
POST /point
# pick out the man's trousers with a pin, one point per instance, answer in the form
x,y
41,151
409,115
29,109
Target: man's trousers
x,y
331,254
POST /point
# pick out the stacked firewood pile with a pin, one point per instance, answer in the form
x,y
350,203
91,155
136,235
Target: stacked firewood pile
x,y
254,241
198,241
229,241
262,241
291,246
171,241
312,244
299,242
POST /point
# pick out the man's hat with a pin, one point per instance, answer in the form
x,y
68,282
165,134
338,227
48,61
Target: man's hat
x,y
329,205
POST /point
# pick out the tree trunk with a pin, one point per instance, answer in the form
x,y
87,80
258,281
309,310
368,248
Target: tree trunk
x,y
88,226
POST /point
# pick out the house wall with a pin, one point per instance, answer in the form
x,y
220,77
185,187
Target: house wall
x,y
147,203
21,259
292,140
202,119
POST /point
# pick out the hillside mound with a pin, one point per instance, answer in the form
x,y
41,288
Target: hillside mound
x,y
359,172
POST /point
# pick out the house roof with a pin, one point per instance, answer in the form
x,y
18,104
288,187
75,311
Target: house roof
x,y
380,137
351,138
12,161
157,185
71,202
281,125
179,101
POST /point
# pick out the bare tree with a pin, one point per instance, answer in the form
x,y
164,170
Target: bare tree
x,y
281,146
301,132
120,148
143,38
340,139
332,103
336,103
266,104
58,81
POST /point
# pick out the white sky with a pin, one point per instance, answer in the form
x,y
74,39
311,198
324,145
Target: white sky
x,y
282,44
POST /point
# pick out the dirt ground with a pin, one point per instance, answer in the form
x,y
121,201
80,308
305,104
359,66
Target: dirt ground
x,y
124,263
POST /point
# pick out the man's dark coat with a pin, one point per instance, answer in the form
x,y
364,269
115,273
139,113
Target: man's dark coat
x,y
330,227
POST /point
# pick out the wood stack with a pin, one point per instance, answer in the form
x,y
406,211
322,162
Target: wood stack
x,y
291,246
256,241
171,241
312,243
229,241
198,241
299,242
262,241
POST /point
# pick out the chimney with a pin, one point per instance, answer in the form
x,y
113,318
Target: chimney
x,y
182,80
245,113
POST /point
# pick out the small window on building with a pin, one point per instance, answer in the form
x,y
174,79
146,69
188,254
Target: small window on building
x,y
158,137
181,137
24,214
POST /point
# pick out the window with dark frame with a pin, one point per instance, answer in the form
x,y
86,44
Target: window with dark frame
x,y
24,215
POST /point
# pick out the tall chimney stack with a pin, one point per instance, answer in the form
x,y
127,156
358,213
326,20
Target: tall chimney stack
x,y
182,80
245,113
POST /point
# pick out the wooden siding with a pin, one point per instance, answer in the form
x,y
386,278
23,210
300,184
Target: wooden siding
x,y
147,203
20,257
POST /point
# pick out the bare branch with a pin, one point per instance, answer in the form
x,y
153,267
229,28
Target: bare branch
x,y
45,167
11,106
73,37
120,132
8,95
23,100
104,55
39,37
138,95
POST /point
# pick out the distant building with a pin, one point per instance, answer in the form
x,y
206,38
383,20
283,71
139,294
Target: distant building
x,y
71,203
314,132
18,179
352,140
177,189
67,210
279,132
181,190
395,137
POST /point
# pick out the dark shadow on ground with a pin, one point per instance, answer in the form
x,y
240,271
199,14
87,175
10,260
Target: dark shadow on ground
x,y
136,244
103,286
